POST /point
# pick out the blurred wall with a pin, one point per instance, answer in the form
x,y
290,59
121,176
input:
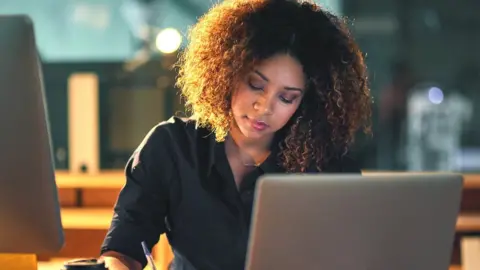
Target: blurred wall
x,y
103,30
89,30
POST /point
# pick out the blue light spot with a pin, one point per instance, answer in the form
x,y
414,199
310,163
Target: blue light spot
x,y
435,95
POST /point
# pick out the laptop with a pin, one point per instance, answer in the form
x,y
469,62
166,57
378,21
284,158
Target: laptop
x,y
354,222
29,207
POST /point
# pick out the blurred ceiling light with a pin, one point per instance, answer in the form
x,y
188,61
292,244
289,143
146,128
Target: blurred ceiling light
x,y
168,40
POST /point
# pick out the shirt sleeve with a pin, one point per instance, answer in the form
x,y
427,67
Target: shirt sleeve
x,y
141,206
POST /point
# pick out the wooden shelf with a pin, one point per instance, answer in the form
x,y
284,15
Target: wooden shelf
x,y
100,218
106,179
86,218
116,179
99,192
468,223
471,181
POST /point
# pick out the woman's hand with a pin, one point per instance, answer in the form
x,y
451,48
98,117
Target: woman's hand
x,y
117,261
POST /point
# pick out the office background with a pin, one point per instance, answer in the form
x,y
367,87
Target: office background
x,y
428,46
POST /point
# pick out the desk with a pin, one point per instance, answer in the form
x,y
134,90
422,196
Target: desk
x,y
116,179
86,218
109,182
100,219
98,190
468,223
18,261
105,180
470,181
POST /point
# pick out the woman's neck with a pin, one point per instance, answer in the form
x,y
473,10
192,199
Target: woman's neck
x,y
253,147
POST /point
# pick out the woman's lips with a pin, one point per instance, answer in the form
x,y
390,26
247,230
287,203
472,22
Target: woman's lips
x,y
258,125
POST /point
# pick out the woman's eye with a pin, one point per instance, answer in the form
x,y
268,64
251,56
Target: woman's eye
x,y
287,100
255,86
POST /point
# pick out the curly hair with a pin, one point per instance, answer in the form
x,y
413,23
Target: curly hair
x,y
235,35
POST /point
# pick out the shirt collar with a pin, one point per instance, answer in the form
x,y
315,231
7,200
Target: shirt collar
x,y
270,165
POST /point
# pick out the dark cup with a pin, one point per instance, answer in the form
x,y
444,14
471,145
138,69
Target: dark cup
x,y
84,264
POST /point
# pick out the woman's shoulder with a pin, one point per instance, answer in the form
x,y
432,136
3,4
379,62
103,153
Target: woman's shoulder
x,y
175,125
178,130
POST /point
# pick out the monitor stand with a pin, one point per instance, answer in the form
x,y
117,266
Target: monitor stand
x,y
18,261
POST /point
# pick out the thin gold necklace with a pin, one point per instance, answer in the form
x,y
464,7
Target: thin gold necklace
x,y
246,164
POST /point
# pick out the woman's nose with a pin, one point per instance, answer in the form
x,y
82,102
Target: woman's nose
x,y
264,105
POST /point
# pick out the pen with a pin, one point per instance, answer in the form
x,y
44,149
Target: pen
x,y
148,255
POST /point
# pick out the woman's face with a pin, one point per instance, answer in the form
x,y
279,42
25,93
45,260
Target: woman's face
x,y
268,96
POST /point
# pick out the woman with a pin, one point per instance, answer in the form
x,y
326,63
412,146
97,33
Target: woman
x,y
274,86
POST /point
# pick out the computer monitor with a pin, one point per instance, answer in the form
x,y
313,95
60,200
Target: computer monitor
x,y
345,222
29,207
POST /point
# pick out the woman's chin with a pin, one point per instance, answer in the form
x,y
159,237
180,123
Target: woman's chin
x,y
253,134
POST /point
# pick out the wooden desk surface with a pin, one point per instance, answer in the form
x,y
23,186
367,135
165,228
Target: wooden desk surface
x,y
86,218
105,179
116,179
468,223
471,181
57,263
100,218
